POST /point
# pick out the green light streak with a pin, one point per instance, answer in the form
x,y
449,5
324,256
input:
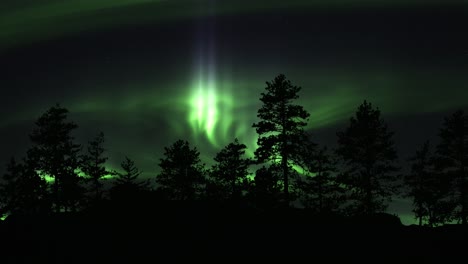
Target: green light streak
x,y
332,107
211,109
49,179
204,110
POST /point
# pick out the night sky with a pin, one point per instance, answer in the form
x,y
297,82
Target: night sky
x,y
149,72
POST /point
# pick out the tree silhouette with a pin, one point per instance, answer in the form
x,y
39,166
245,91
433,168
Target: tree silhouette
x,y
182,174
23,190
229,173
281,124
368,157
72,190
418,180
266,190
126,185
428,189
452,158
56,155
92,164
319,188
8,189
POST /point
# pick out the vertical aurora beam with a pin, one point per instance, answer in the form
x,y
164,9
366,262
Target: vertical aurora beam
x,y
212,97
203,104
204,101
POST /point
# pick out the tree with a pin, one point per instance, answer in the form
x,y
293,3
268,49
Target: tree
x,y
56,155
428,189
452,155
23,190
319,188
8,189
182,174
418,180
92,164
229,173
368,157
126,186
266,190
281,125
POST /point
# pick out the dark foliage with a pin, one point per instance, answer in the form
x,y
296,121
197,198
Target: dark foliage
x,y
182,173
228,176
266,191
452,160
126,184
23,191
55,154
93,165
281,126
319,190
368,157
429,189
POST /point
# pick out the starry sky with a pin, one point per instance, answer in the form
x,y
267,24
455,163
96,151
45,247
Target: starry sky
x,y
149,72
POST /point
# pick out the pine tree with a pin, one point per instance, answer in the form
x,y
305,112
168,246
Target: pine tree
x,y
319,188
429,189
9,198
23,191
126,185
418,181
266,189
56,155
92,164
280,128
452,155
368,156
182,173
229,173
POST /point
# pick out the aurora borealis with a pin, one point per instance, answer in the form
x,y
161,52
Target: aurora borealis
x,y
149,72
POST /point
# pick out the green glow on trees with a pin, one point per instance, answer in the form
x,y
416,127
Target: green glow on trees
x,y
181,107
4,216
49,179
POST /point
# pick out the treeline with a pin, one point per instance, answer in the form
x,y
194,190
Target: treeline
x,y
360,177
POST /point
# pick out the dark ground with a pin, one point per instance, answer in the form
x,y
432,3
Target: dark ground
x,y
128,234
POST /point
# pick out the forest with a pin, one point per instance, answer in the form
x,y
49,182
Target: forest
x,y
295,197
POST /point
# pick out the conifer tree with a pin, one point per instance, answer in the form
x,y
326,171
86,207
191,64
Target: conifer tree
x,y
368,159
452,160
281,127
182,173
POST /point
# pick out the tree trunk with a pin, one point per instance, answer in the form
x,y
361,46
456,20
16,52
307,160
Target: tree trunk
x,y
284,164
320,192
368,206
284,155
233,189
463,197
56,194
462,183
